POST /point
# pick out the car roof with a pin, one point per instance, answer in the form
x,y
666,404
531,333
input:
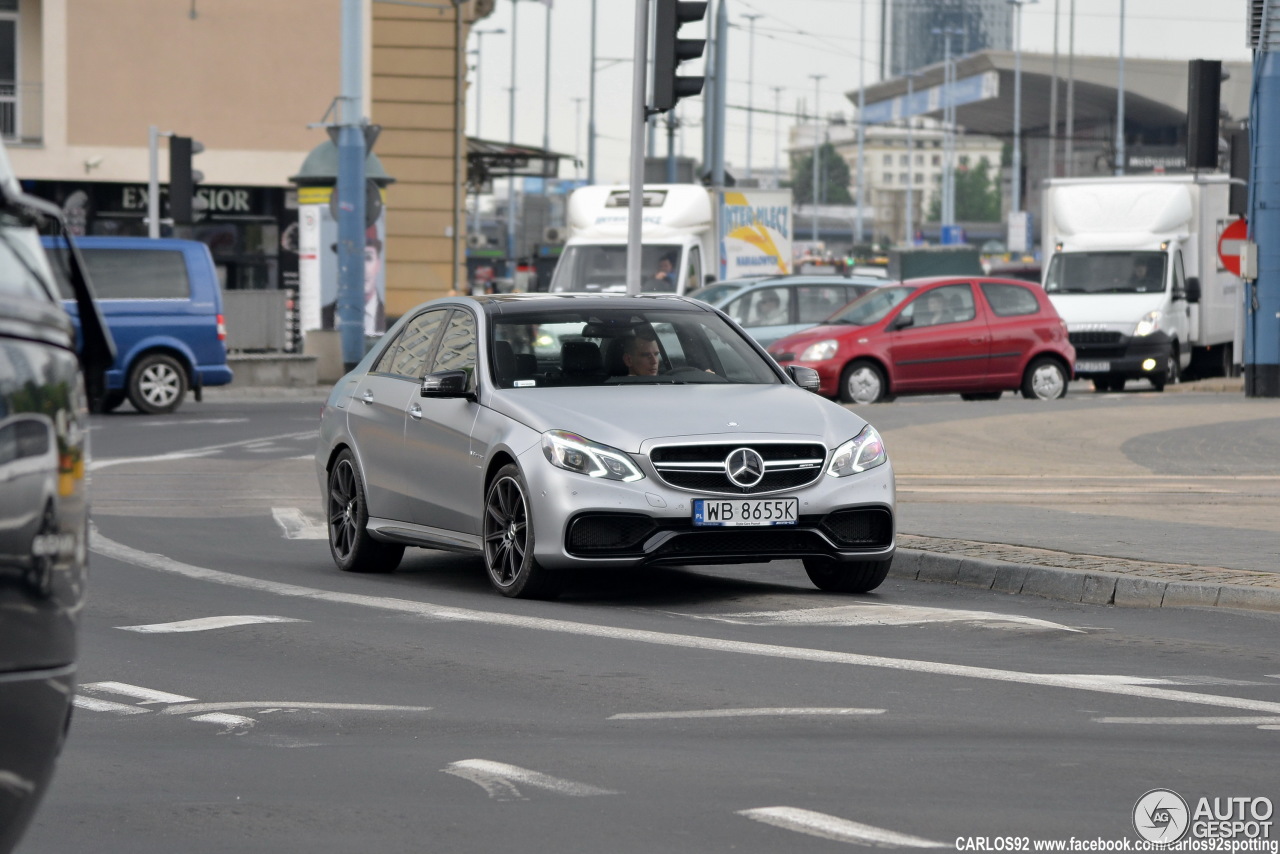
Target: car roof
x,y
532,302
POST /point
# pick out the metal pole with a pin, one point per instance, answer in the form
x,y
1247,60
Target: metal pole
x,y
817,79
577,136
1069,153
546,88
635,202
591,108
1053,100
153,183
511,138
777,135
459,141
948,212
1120,101
722,88
1017,105
350,308
862,127
911,163
751,85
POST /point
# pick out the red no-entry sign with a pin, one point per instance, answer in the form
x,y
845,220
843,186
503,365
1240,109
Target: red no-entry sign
x,y
1233,236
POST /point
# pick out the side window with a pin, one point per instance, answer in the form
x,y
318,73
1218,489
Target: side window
x,y
1010,300
457,350
768,307
693,276
737,309
947,304
132,273
817,302
408,354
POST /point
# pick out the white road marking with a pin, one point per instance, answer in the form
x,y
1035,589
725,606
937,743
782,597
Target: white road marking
x,y
877,615
117,551
204,624
1222,721
276,705
188,422
97,465
836,829
499,780
146,695
93,704
233,723
740,713
298,525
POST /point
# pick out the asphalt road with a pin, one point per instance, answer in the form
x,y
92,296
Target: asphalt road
x,y
692,709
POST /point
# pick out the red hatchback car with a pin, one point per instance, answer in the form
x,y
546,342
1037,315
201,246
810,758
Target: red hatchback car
x,y
978,336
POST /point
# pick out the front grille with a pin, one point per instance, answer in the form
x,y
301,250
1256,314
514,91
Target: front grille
x,y
865,527
1078,339
701,468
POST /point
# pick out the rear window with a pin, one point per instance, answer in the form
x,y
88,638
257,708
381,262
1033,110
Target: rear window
x,y
128,273
1010,300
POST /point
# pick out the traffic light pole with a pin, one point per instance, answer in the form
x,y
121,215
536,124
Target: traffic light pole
x,y
639,117
351,192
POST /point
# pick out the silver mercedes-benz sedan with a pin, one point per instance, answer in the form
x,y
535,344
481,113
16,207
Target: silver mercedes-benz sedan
x,y
552,432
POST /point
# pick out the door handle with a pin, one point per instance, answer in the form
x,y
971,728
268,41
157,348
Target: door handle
x,y
415,412
367,397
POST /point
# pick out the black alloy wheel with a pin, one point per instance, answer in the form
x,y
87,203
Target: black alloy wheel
x,y
508,539
353,549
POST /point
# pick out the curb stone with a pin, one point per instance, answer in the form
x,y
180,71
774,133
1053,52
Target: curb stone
x,y
1084,586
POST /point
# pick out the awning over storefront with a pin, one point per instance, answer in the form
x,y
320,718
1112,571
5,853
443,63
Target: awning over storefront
x,y
487,159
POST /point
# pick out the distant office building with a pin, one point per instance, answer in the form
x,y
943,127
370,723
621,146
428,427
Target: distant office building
x,y
918,31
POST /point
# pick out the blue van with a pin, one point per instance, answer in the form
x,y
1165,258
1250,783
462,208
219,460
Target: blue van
x,y
163,304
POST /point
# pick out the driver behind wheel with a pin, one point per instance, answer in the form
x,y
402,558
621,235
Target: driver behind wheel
x,y
641,354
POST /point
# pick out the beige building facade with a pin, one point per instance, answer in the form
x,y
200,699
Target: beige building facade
x,y
250,80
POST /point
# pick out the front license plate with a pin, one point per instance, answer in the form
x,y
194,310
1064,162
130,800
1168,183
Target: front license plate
x,y
742,512
1092,367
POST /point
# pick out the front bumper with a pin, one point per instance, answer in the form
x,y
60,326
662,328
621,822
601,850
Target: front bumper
x,y
1121,356
584,522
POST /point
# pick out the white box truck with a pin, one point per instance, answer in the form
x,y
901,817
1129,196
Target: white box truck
x,y
1133,269
690,235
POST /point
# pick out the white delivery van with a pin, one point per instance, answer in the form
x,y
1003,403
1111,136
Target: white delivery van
x,y
1133,269
690,235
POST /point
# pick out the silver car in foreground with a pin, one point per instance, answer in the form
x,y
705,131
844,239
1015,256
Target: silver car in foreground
x,y
511,427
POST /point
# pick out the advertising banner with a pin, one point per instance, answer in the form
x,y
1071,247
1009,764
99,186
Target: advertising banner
x,y
755,233
318,265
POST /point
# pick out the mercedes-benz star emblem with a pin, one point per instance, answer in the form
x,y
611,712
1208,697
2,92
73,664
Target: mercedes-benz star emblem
x,y
744,467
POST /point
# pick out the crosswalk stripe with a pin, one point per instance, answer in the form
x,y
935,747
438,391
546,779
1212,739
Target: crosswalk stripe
x,y
499,778
204,624
93,704
836,829
146,695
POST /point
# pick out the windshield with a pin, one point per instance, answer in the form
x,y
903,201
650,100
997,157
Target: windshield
x,y
586,347
1106,273
597,269
871,307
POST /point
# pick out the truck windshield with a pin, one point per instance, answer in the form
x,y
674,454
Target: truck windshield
x,y
1106,273
603,269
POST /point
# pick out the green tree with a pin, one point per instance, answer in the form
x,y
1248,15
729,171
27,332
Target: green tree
x,y
833,174
977,195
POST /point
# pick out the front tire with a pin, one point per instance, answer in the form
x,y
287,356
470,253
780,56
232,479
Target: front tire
x,y
508,539
862,382
855,576
1172,372
353,549
157,384
1045,379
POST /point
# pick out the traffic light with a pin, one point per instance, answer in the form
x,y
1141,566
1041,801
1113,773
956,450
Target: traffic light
x,y
669,51
183,179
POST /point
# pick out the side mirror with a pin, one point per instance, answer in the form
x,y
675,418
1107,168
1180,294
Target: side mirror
x,y
902,321
446,384
806,378
1193,289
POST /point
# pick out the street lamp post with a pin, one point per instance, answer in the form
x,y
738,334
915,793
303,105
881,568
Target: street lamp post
x,y
862,127
777,135
591,106
1017,102
817,79
577,136
751,84
511,133
1120,101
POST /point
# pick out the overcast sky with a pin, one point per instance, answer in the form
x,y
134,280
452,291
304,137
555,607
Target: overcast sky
x,y
793,40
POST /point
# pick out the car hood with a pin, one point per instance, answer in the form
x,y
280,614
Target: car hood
x,y
797,341
626,416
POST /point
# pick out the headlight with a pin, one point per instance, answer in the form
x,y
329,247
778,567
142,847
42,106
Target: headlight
x,y
819,351
1149,323
572,452
864,451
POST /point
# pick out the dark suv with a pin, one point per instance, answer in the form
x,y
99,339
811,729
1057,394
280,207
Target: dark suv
x,y
48,374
